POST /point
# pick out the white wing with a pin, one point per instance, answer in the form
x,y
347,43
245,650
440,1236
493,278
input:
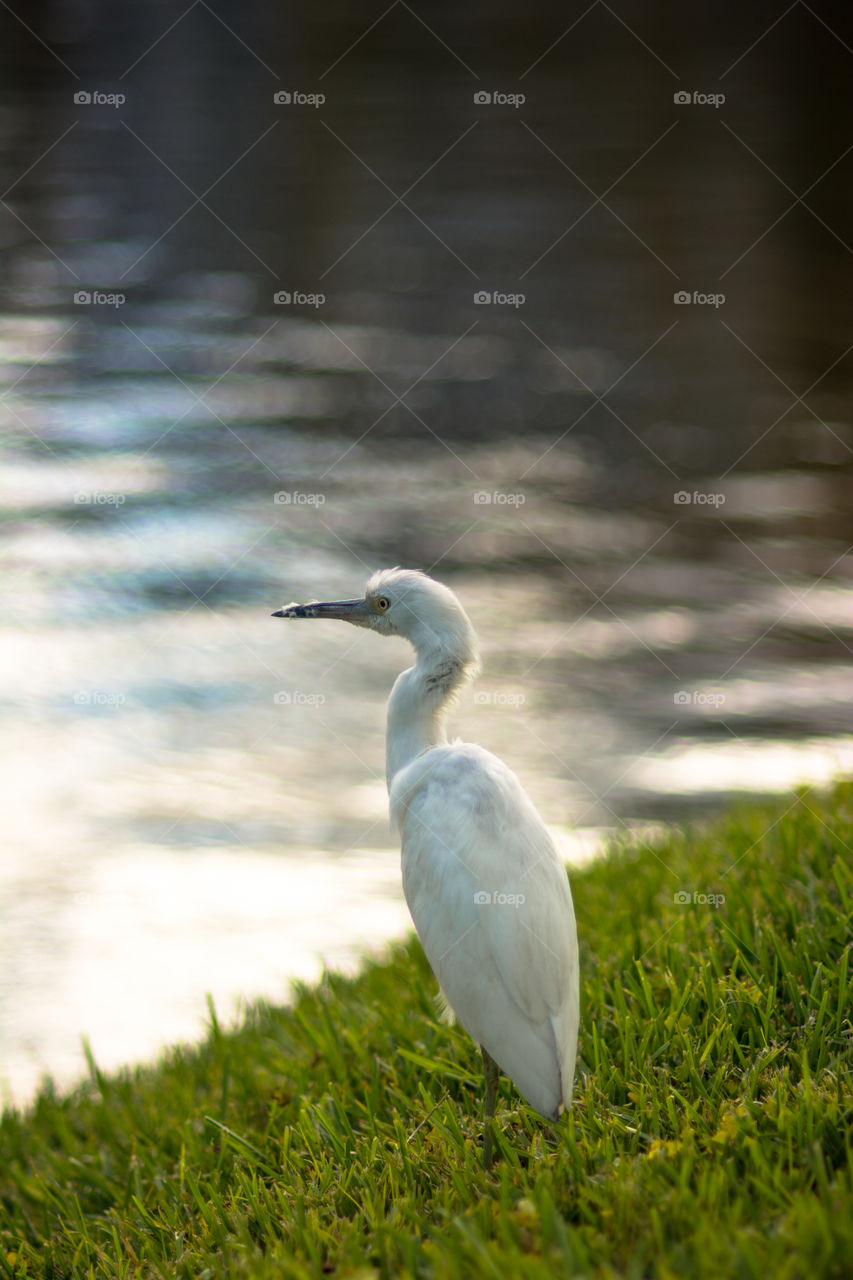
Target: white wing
x,y
492,906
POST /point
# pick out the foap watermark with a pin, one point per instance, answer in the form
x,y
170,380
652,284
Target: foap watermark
x,y
484,699
294,698
95,98
684,898
97,298
482,898
697,98
699,698
697,498
696,298
296,98
85,898
497,98
295,498
482,498
494,298
98,698
92,498
295,298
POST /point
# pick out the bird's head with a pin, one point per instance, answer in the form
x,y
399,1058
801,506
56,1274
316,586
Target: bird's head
x,y
407,603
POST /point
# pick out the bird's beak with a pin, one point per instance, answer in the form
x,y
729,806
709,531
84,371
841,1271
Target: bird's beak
x,y
355,611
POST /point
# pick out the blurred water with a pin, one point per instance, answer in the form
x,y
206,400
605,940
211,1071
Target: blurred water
x,y
644,504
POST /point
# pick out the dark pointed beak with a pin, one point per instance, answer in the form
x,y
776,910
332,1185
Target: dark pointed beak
x,y
355,611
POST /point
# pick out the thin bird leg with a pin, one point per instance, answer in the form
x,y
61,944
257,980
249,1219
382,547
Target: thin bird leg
x,y
492,1072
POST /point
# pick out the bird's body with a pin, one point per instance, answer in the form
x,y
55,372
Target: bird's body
x,y
486,889
491,904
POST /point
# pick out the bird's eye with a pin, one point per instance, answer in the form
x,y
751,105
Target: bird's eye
x,y
382,603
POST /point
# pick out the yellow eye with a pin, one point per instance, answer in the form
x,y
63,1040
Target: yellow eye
x,y
382,603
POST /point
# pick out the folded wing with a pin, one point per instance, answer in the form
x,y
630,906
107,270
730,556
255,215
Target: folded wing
x,y
492,906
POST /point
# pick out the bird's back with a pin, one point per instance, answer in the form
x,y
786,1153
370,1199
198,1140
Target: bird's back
x,y
493,909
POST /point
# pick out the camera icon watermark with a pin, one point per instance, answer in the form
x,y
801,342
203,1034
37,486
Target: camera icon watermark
x,y
84,898
711,698
294,698
697,498
684,298
495,298
483,498
98,698
295,498
97,298
482,698
295,298
696,98
92,498
686,898
95,98
296,98
496,98
483,898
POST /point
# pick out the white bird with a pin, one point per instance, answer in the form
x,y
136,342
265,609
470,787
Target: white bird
x,y
487,891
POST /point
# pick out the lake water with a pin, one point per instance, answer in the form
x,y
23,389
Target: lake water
x,y
586,357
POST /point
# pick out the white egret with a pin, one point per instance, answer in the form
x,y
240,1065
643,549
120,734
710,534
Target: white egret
x,y
488,893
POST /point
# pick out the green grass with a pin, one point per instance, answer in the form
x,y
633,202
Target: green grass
x,y
710,1136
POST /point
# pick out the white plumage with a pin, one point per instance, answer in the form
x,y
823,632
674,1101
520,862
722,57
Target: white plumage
x,y
487,891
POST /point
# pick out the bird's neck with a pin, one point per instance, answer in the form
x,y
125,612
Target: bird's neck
x,y
419,703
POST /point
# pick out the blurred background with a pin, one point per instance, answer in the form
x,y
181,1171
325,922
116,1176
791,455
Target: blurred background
x,y
552,302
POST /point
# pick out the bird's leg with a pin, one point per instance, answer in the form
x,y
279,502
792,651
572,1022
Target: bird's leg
x,y
492,1071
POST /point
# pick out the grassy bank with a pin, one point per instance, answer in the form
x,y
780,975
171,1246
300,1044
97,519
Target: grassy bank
x,y
710,1136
